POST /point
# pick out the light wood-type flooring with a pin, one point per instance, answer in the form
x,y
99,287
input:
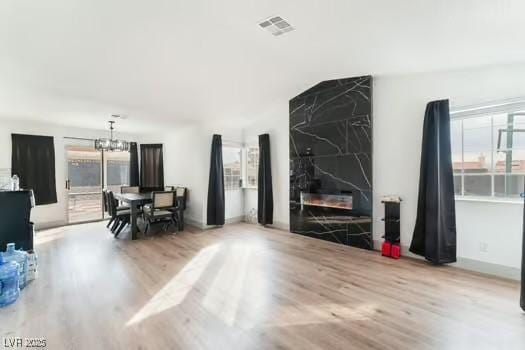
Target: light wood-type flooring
x,y
247,287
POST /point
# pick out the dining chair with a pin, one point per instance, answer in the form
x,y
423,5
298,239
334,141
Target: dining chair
x,y
159,211
169,188
120,217
181,194
130,189
106,207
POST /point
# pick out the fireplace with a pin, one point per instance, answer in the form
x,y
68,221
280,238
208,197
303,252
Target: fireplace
x,y
331,162
334,201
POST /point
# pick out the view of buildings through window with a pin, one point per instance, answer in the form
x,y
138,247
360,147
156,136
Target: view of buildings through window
x,y
252,166
241,166
231,158
488,155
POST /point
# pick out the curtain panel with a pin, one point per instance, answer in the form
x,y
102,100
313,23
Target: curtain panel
x,y
264,184
151,167
435,230
215,209
33,161
134,177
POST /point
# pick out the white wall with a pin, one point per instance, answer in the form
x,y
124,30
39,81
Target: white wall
x,y
399,105
187,151
496,223
275,122
51,214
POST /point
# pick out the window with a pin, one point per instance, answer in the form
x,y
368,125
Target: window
x,y
252,166
117,170
231,157
488,154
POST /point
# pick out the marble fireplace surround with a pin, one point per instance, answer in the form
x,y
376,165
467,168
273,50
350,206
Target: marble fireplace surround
x,y
331,162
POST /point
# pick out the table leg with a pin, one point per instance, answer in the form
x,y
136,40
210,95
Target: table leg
x,y
181,220
133,215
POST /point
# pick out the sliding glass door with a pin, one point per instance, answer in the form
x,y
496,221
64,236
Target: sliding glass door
x,y
84,184
88,172
116,170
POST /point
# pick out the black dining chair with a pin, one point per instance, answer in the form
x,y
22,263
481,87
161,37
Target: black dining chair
x,y
181,194
107,202
159,210
121,217
106,207
130,189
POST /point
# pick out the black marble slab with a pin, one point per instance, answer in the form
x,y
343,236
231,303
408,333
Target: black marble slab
x,y
331,153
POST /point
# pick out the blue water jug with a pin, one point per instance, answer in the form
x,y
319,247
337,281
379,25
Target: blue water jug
x,y
19,257
9,279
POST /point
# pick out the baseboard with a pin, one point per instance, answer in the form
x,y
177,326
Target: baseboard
x,y
468,264
195,223
276,225
203,226
281,226
235,220
488,268
49,225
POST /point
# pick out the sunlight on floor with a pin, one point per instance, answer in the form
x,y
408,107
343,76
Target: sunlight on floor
x,y
174,292
223,296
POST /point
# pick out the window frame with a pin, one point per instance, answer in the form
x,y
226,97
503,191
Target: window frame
x,y
491,111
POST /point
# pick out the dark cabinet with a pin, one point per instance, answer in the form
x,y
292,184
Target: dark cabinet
x,y
15,223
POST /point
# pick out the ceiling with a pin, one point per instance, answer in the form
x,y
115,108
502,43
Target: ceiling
x,y
166,62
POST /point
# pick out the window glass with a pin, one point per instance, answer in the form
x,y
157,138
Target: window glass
x,y
488,155
478,185
231,157
477,145
117,170
252,166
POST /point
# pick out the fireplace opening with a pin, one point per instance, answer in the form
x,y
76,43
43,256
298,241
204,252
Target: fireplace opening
x,y
335,201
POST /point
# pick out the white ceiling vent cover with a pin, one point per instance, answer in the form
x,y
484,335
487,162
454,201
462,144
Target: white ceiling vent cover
x,y
276,25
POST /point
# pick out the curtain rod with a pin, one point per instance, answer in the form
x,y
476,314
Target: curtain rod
x,y
78,138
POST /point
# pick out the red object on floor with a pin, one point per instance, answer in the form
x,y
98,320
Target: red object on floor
x,y
386,249
395,251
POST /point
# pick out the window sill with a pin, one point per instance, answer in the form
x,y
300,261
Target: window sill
x,y
488,200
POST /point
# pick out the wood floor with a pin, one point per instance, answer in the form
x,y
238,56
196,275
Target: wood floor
x,y
246,287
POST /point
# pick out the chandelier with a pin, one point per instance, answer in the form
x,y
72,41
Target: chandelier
x,y
111,144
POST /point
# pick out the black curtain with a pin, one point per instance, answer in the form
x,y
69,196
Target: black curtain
x,y
215,208
522,299
133,164
435,230
151,167
264,185
33,161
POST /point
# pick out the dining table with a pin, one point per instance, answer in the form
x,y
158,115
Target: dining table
x,y
135,201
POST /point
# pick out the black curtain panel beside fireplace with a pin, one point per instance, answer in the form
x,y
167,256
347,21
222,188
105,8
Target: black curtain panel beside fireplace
x,y
331,162
215,209
264,185
33,161
435,230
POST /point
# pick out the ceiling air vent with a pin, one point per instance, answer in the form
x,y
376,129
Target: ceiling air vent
x,y
276,25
